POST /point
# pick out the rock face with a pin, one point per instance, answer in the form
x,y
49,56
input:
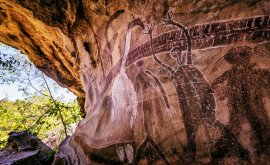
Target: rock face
x,y
162,82
23,148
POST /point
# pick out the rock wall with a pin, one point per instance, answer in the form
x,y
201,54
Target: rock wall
x,y
162,82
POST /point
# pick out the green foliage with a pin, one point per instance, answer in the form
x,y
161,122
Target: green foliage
x,y
38,115
43,112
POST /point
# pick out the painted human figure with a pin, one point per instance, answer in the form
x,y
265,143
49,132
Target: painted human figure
x,y
195,95
245,84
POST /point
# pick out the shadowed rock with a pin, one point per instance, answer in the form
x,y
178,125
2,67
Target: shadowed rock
x,y
23,148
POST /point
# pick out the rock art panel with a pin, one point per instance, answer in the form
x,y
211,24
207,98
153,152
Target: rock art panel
x,y
143,101
162,82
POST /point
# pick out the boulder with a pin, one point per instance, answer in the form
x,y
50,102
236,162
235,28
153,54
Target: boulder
x,y
23,148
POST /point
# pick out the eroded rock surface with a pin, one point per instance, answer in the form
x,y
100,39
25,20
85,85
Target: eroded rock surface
x,y
23,148
162,82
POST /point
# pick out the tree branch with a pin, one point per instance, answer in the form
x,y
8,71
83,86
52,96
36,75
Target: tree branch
x,y
56,105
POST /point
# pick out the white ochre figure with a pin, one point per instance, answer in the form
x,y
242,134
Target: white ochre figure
x,y
124,97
